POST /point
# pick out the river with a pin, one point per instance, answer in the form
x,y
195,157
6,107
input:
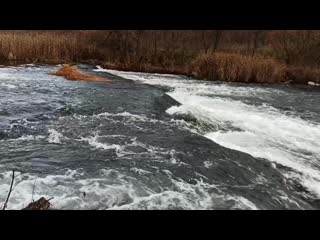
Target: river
x,y
157,141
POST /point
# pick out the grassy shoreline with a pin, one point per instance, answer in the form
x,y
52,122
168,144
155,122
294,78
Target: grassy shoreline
x,y
191,53
229,68
213,67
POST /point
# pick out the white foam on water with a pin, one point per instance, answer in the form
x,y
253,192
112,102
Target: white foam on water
x,y
244,203
196,87
261,131
208,164
16,75
49,186
264,132
121,150
68,191
111,189
94,141
159,154
54,136
26,138
10,86
187,196
30,138
140,171
128,116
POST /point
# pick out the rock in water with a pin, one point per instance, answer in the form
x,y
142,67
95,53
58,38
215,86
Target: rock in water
x,y
41,204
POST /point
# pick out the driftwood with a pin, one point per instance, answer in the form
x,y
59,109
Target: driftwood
x,y
41,204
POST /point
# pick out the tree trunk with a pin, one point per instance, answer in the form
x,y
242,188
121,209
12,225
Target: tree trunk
x,y
255,42
217,36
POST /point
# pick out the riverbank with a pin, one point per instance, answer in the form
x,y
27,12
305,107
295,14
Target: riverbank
x,y
212,67
275,57
232,68
173,52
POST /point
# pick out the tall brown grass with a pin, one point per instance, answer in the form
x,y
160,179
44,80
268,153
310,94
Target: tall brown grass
x,y
46,47
241,68
303,75
176,52
238,68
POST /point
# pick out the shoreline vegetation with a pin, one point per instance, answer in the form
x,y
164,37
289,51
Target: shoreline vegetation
x,y
248,56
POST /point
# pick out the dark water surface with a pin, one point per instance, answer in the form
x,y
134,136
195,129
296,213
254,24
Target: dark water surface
x,y
150,141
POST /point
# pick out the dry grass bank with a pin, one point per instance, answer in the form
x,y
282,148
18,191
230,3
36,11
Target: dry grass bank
x,y
240,68
303,75
173,52
46,47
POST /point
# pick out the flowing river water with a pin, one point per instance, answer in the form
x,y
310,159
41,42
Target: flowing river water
x,y
156,141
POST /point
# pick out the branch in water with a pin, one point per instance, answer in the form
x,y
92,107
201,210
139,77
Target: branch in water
x,y
10,190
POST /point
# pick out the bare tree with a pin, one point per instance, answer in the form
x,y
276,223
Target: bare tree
x,y
217,36
206,42
155,41
136,36
256,38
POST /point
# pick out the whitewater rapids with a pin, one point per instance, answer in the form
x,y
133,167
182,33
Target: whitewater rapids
x,y
152,141
264,121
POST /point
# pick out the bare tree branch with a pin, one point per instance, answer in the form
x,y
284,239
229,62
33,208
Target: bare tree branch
x,y
18,182
10,190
